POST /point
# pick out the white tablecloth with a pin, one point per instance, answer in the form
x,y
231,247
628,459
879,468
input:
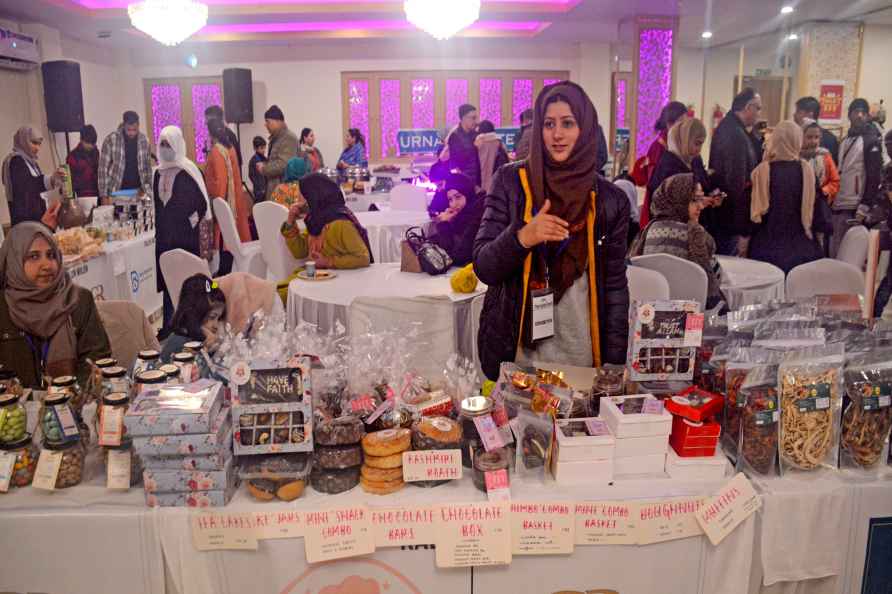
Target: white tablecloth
x,y
749,282
387,229
126,272
361,202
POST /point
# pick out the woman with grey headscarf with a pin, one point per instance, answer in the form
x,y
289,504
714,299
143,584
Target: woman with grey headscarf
x,y
23,180
50,326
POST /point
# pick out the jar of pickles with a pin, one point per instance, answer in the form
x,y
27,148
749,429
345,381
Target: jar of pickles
x,y
71,470
12,383
186,362
172,374
150,379
136,466
146,360
13,419
58,421
115,381
25,461
471,408
490,461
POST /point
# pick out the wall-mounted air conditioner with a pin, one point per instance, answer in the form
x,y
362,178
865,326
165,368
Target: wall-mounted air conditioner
x,y
17,51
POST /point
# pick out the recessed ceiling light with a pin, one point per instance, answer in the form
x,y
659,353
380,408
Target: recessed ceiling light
x,y
706,35
787,9
792,37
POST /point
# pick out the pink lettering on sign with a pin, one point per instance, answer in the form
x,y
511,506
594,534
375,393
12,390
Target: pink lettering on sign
x,y
470,513
489,433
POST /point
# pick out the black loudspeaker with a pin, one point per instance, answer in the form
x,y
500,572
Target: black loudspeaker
x,y
63,96
238,96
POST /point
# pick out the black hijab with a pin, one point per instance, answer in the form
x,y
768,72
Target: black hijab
x,y
326,204
464,186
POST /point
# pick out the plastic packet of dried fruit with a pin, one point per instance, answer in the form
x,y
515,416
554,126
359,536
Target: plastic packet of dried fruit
x,y
757,451
740,362
810,387
867,412
788,335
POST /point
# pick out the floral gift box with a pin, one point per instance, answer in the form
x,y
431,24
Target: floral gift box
x,y
175,410
177,481
218,441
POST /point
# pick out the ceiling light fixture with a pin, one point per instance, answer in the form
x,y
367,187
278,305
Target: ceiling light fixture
x,y
787,9
792,37
442,19
706,35
168,21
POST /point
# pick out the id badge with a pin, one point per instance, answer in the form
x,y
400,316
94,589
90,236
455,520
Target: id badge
x,y
542,318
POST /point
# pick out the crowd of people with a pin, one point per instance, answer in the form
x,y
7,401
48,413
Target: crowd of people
x,y
545,230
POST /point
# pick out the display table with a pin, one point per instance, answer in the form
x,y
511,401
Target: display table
x,y
387,229
125,271
749,282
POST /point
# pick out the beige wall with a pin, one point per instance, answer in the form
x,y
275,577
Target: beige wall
x,y
875,81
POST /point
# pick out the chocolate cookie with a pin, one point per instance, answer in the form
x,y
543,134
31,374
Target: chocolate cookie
x,y
341,431
334,481
338,457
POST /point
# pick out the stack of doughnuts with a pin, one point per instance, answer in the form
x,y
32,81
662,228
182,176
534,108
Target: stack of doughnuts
x,y
338,454
382,472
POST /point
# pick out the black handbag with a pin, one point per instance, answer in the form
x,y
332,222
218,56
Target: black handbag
x,y
432,258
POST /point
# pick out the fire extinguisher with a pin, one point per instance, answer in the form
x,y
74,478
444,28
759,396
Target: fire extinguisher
x,y
717,115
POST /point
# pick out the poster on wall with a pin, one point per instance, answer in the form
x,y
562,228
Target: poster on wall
x,y
831,99
426,141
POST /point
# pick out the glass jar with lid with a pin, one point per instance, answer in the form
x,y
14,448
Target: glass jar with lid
x,y
115,380
71,469
491,461
188,370
136,466
58,419
172,374
25,461
13,418
471,408
12,383
68,384
608,382
146,360
193,347
110,415
149,379
106,363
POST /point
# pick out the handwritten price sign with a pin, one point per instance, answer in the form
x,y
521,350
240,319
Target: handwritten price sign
x,y
733,504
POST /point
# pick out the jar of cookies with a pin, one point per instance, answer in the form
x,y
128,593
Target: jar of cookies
x,y
172,374
25,461
71,470
115,381
193,347
146,360
471,408
608,382
485,462
136,466
13,418
110,415
12,383
148,380
57,419
186,363
67,384
106,363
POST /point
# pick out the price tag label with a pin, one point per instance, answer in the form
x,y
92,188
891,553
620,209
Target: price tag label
x,y
7,466
473,535
403,526
652,407
220,531
385,406
542,528
596,427
118,470
111,425
734,503
693,330
497,486
606,522
278,525
338,533
432,465
47,470
489,433
66,420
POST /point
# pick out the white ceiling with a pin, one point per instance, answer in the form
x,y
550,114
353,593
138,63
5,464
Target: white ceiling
x,y
590,20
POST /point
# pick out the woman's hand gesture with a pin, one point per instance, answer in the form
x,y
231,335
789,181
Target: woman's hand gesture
x,y
544,227
294,213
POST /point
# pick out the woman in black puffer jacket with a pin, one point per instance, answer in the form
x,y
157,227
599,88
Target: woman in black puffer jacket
x,y
552,222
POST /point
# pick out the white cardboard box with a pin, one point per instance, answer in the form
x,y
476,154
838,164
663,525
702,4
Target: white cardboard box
x,y
653,464
697,469
628,447
593,472
637,424
580,445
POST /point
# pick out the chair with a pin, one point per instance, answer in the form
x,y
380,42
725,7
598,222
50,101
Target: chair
x,y
408,197
269,216
686,279
824,277
646,285
853,247
247,256
176,267
128,330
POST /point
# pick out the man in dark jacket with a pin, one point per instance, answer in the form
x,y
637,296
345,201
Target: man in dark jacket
x,y
810,108
462,151
258,182
522,146
884,292
498,254
733,157
83,161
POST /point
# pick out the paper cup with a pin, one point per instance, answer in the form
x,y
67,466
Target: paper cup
x,y
310,268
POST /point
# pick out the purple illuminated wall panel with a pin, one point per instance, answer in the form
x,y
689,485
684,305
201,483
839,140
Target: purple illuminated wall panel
x,y
491,100
166,108
522,100
423,103
203,96
358,96
654,82
456,96
390,117
621,98
550,81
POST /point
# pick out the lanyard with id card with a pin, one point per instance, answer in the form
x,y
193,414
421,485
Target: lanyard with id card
x,y
541,308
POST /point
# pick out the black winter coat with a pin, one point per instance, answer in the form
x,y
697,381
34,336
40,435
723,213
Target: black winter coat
x,y
173,229
671,164
463,154
457,236
499,258
733,158
25,204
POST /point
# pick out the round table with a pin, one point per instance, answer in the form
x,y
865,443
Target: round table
x,y
387,229
380,298
362,202
750,282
